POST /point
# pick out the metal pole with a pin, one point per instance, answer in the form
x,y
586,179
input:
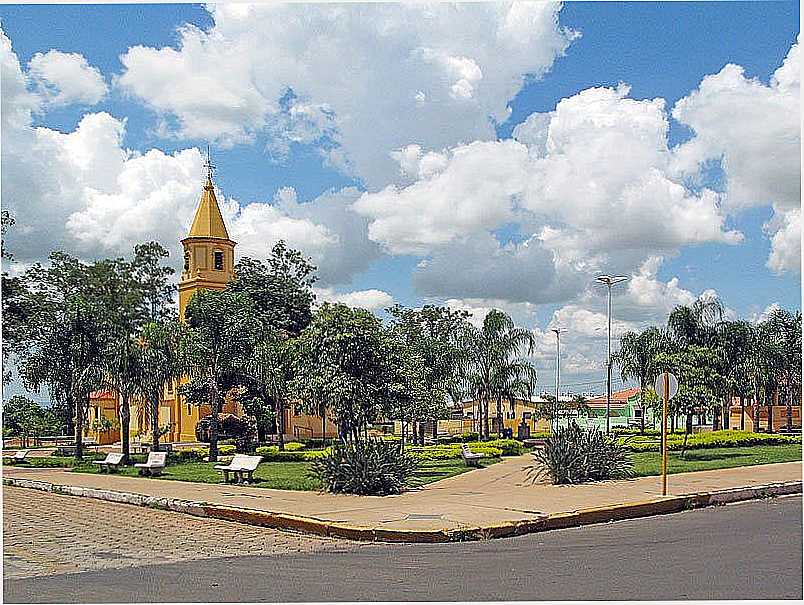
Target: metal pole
x,y
664,432
608,367
558,371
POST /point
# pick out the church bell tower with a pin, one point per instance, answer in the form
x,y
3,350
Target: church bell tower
x,y
208,251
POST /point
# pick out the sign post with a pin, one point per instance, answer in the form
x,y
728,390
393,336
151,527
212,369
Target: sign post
x,y
666,387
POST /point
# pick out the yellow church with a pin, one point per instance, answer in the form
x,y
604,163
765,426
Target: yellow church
x,y
208,264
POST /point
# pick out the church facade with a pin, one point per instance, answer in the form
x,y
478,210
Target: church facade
x,y
208,255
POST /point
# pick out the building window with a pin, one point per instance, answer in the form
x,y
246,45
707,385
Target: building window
x,y
186,261
218,260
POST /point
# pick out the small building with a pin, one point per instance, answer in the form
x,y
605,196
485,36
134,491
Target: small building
x,y
625,410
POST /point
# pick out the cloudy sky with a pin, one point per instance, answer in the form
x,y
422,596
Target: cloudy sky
x,y
477,155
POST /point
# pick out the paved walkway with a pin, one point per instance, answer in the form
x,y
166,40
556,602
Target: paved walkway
x,y
494,495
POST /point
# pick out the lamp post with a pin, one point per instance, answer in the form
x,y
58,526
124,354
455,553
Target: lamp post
x,y
557,332
609,281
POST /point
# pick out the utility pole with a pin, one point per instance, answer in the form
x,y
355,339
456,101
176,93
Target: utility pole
x,y
557,332
609,281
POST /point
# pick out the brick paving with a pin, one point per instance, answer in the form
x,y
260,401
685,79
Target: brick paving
x,y
50,534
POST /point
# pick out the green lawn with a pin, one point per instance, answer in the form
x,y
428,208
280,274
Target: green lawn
x,y
650,463
286,475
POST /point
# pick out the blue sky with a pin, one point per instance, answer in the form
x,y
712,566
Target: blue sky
x,y
660,50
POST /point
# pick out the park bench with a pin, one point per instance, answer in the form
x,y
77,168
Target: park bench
x,y
469,457
18,456
154,464
242,466
112,461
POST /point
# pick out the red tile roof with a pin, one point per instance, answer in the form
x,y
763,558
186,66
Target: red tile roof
x,y
619,398
102,395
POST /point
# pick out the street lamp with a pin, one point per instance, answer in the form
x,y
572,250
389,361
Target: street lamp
x,y
557,332
609,281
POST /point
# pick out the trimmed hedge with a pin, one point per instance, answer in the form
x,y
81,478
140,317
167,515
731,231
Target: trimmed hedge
x,y
271,453
712,439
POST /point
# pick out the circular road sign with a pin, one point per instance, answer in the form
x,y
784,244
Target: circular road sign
x,y
659,386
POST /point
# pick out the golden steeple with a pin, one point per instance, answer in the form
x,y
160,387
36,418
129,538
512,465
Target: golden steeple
x,y
208,221
208,251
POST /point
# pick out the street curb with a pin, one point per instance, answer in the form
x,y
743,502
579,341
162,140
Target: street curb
x,y
310,525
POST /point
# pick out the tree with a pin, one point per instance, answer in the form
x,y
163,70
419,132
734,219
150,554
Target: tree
x,y
124,372
733,345
698,381
15,307
270,373
343,366
636,360
280,288
65,353
223,332
151,282
24,418
695,324
765,365
428,355
786,329
493,372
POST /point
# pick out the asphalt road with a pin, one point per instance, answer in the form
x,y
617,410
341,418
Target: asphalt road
x,y
751,550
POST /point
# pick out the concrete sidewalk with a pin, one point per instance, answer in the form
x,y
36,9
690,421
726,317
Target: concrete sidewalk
x,y
497,500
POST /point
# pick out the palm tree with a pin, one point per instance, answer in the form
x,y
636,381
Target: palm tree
x,y
271,371
764,363
636,360
733,349
162,351
123,373
695,324
787,329
492,369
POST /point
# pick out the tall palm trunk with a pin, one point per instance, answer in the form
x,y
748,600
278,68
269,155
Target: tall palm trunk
x,y
742,412
789,410
772,402
155,421
642,406
125,416
727,411
213,424
280,422
499,418
79,427
486,420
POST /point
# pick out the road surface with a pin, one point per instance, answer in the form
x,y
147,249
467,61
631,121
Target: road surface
x,y
751,550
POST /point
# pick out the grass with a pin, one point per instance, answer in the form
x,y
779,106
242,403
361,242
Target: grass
x,y
286,475
650,463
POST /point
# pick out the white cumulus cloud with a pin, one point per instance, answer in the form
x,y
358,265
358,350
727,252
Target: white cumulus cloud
x,y
65,78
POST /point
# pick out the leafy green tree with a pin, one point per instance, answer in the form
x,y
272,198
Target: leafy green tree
x,y
696,324
765,363
733,344
15,301
636,360
343,367
23,418
698,381
151,282
270,373
493,371
124,371
281,288
429,361
224,330
786,328
65,353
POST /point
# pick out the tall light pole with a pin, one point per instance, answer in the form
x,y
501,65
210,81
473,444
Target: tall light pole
x,y
557,332
609,281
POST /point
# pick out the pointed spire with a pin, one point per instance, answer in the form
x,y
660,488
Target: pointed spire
x,y
208,221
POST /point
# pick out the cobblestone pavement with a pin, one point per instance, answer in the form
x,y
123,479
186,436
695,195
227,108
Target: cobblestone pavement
x,y
48,534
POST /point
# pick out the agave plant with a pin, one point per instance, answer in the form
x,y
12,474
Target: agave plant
x,y
575,455
370,467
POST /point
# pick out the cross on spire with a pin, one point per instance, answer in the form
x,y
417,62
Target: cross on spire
x,y
209,165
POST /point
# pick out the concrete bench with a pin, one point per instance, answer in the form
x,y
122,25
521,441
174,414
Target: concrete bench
x,y
154,465
112,461
18,456
469,457
242,466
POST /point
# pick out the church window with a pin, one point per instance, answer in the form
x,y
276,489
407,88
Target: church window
x,y
218,258
186,261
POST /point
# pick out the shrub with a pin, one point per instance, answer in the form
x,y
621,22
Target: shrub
x,y
469,436
271,453
371,468
509,447
708,440
575,455
294,446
